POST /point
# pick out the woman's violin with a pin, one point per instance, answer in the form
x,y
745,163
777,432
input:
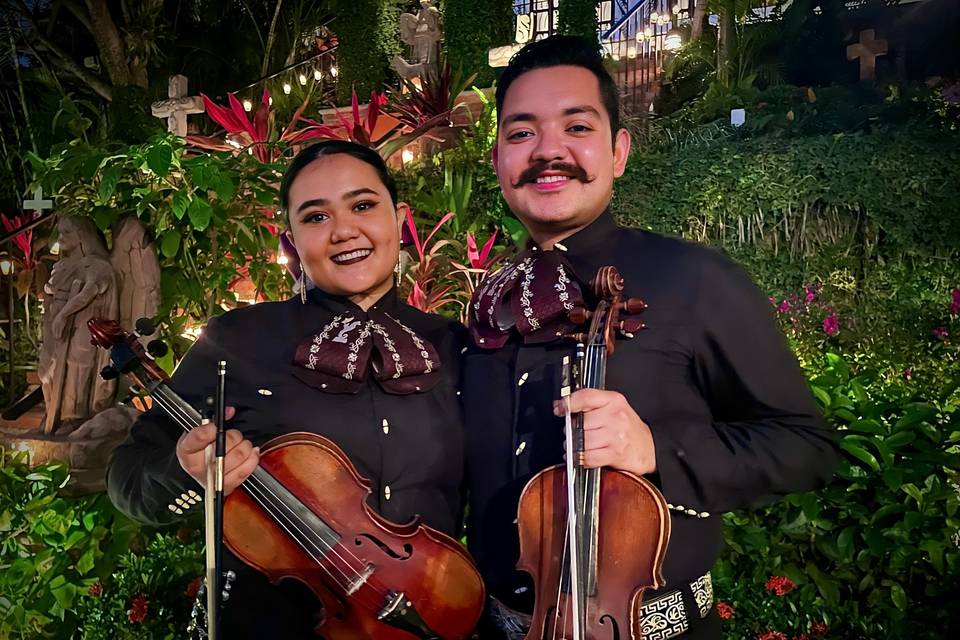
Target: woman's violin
x,y
592,539
303,514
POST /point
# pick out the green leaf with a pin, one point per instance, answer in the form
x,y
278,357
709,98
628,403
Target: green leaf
x,y
915,414
89,519
179,204
224,186
822,396
828,588
104,217
159,158
860,454
108,182
200,213
87,561
911,490
170,243
898,596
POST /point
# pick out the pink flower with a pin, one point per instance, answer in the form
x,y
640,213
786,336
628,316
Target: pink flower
x,y
908,373
772,635
780,585
784,307
941,332
811,296
831,325
955,308
724,610
138,609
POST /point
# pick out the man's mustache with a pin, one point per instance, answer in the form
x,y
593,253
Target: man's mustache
x,y
532,173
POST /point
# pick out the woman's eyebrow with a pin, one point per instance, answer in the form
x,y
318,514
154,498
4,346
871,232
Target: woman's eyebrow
x,y
322,202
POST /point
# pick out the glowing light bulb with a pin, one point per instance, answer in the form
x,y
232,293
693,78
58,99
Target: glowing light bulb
x,y
282,258
334,72
407,156
317,75
247,105
287,88
302,78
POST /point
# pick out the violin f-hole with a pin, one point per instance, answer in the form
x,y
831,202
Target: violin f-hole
x,y
407,548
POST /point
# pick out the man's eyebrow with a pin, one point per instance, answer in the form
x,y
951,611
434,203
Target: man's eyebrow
x,y
322,202
583,108
517,117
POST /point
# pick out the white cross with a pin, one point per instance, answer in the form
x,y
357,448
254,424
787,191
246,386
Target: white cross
x,y
176,108
38,203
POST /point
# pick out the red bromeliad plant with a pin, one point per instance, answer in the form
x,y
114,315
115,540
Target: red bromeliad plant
x,y
433,100
23,240
362,128
481,261
429,290
254,133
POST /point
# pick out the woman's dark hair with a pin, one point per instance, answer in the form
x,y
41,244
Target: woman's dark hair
x,y
558,51
332,148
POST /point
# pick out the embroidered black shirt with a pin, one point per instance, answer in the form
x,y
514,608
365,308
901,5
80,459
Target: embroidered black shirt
x,y
733,421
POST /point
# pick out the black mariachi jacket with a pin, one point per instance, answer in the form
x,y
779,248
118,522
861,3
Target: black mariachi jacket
x,y
410,447
733,421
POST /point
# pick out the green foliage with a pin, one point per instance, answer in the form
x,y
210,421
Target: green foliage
x,y
803,194
578,18
473,27
53,548
874,554
158,583
212,215
368,33
77,563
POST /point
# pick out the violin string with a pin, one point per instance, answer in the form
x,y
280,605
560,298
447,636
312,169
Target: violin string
x,y
180,415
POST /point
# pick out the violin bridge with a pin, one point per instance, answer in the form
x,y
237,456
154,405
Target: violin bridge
x,y
360,580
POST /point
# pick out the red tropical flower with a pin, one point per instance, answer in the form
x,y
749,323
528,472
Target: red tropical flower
x,y
138,609
772,635
780,585
802,636
193,588
724,610
96,589
24,239
819,629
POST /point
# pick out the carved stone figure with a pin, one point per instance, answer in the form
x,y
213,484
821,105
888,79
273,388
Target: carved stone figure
x,y
135,262
82,286
422,33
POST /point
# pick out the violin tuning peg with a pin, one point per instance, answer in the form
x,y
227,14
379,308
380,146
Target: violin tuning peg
x,y
633,305
145,327
629,326
109,373
579,315
157,348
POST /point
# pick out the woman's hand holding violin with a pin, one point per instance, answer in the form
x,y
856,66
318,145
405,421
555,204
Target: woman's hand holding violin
x,y
238,463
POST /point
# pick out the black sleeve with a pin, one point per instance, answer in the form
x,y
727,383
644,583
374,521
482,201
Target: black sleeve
x,y
767,438
144,477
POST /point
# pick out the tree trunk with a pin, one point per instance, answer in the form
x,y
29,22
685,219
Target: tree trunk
x,y
113,53
726,35
696,24
271,35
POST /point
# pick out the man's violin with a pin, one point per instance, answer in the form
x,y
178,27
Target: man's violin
x,y
303,514
593,539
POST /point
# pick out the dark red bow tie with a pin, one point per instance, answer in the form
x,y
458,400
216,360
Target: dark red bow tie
x,y
336,359
531,295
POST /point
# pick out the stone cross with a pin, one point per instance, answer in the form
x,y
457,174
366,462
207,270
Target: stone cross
x,y
38,203
867,50
178,106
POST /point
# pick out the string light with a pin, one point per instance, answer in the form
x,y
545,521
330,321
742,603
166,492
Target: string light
x,y
287,88
334,72
406,156
654,17
631,52
302,78
247,105
317,75
55,248
282,258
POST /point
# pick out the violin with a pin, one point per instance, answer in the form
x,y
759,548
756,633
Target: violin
x,y
592,539
303,514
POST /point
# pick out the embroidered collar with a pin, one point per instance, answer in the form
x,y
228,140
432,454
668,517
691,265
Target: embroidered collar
x,y
355,342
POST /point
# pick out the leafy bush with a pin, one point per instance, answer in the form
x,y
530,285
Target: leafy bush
x,y
471,28
69,563
874,554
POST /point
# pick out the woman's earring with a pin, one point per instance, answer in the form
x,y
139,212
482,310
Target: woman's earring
x,y
303,287
397,274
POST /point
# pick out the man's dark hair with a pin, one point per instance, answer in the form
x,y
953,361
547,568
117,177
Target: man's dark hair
x,y
332,148
563,50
